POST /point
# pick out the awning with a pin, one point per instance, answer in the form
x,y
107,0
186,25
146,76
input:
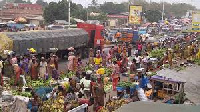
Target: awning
x,y
157,107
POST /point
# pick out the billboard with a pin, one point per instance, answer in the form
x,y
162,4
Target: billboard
x,y
196,21
135,16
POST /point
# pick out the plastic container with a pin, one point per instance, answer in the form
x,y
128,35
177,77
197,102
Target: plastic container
x,y
120,89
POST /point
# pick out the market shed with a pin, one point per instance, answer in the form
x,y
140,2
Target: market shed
x,y
166,87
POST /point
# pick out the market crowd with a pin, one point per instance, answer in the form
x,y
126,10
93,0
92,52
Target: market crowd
x,y
88,86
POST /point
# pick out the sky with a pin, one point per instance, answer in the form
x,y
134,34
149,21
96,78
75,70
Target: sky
x,y
86,2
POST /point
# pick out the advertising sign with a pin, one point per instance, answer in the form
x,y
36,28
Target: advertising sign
x,y
196,21
135,16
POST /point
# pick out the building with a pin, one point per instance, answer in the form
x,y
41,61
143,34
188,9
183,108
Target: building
x,y
31,12
117,20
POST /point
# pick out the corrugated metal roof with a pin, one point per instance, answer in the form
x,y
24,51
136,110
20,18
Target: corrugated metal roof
x,y
157,107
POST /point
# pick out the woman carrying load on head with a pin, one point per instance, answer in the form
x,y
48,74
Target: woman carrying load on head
x,y
98,60
70,65
34,69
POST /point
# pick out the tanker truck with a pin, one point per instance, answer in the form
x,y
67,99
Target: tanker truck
x,y
43,41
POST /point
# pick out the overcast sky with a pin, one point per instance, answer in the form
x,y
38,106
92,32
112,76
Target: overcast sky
x,y
86,2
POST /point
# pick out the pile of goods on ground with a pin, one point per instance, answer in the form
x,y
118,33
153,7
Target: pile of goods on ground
x,y
125,84
113,105
158,53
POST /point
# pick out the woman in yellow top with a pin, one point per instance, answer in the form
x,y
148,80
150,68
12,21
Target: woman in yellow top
x,y
97,61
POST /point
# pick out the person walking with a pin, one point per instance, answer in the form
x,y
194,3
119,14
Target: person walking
x,y
115,75
43,68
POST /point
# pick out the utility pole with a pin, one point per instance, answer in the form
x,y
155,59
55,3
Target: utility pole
x,y
69,13
163,11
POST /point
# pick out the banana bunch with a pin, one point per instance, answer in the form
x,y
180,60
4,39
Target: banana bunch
x,y
53,105
198,54
103,109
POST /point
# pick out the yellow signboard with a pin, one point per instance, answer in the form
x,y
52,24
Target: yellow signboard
x,y
135,16
196,21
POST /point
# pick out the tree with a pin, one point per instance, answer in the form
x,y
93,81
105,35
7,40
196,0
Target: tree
x,y
59,11
42,3
19,1
111,8
94,2
153,15
29,2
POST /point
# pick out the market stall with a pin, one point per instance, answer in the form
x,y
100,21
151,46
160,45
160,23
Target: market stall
x,y
166,87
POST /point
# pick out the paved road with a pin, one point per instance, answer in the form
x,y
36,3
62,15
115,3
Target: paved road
x,y
192,78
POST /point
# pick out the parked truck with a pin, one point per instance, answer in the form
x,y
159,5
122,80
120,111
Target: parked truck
x,y
43,41
95,33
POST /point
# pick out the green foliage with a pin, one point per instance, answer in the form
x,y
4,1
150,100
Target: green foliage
x,y
180,98
126,84
197,61
153,15
112,8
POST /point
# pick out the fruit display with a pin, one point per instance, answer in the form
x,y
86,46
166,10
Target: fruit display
x,y
157,53
53,105
113,105
39,83
88,67
108,71
108,88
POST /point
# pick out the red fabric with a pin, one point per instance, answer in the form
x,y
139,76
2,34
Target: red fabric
x,y
1,79
98,108
119,63
139,46
18,73
83,101
114,83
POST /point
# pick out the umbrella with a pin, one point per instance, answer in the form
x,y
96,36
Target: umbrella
x,y
151,39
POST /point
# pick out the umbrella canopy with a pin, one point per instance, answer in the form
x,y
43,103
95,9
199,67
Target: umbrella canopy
x,y
17,26
30,25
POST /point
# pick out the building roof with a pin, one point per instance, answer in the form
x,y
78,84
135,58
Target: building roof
x,y
23,5
157,107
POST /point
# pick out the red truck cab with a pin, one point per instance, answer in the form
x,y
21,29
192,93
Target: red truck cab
x,y
95,33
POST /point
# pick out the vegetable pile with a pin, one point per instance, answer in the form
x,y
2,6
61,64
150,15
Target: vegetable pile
x,y
126,84
25,94
157,53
